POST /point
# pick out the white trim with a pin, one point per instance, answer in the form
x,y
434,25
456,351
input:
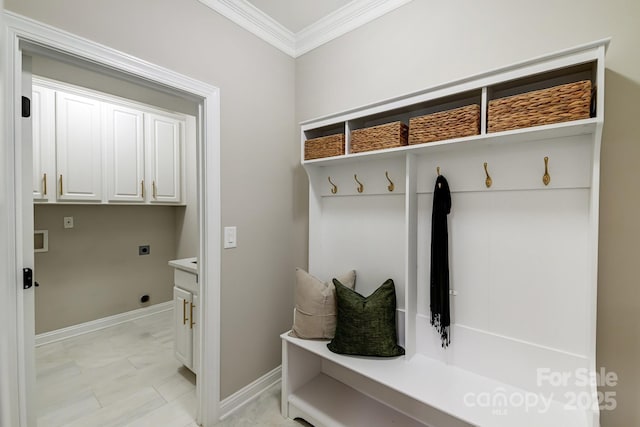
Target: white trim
x,y
346,19
257,22
105,322
250,392
339,22
38,36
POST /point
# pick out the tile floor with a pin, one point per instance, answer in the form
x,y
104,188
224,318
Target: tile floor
x,y
126,375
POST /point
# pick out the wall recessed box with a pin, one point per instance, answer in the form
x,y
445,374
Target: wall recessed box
x,y
41,241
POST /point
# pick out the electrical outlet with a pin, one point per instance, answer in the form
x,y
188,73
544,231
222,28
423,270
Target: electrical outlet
x,y
144,250
68,222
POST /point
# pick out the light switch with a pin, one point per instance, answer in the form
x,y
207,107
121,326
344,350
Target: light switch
x,y
230,237
68,222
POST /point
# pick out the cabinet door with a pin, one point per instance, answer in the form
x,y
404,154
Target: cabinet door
x,y
196,334
78,148
183,342
165,138
124,145
43,114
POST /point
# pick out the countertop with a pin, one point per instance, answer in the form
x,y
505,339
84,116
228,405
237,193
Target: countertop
x,y
186,264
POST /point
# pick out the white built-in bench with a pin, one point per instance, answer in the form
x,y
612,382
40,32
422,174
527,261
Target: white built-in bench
x,y
523,262
328,389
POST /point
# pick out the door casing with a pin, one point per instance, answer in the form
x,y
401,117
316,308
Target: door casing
x,y
16,355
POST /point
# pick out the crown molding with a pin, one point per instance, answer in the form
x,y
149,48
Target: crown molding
x,y
257,22
334,25
340,22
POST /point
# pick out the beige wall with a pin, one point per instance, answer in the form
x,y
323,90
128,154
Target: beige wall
x,y
257,134
93,270
425,43
62,71
57,312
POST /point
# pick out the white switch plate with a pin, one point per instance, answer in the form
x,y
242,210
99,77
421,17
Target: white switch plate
x,y
68,222
230,237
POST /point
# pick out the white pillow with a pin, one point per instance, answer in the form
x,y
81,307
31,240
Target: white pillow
x,y
315,311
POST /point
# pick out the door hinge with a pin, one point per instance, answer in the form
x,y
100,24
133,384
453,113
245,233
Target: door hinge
x,y
27,278
26,107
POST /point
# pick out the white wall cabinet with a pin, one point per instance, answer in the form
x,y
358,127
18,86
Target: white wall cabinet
x,y
164,139
96,148
78,148
522,259
44,155
124,143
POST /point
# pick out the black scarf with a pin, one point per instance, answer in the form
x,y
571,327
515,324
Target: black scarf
x,y
440,317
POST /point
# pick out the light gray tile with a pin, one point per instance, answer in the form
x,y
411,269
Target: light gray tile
x,y
182,382
116,376
178,413
69,412
123,411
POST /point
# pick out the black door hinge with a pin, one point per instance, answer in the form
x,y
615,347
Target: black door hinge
x,y
26,107
27,278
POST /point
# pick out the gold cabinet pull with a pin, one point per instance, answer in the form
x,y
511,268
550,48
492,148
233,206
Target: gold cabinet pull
x,y
142,186
184,312
191,316
155,190
546,178
487,181
44,184
61,185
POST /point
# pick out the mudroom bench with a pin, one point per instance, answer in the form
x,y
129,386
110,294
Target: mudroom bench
x,y
520,149
328,389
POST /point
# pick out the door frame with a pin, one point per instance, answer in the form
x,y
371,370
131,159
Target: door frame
x,y
34,37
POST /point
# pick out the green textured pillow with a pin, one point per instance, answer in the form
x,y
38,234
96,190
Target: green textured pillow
x,y
366,326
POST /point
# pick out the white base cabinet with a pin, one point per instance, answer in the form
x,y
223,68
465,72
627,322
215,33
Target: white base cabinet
x,y
186,306
183,342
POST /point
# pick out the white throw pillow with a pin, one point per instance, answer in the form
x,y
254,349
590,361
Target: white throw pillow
x,y
315,311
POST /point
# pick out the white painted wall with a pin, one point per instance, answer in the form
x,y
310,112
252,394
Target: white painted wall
x,y
425,43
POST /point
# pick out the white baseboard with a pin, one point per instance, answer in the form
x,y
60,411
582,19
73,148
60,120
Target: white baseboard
x,y
249,393
105,322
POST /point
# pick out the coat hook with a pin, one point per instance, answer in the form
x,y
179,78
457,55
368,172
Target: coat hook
x,y
360,185
438,170
546,178
390,187
487,181
334,188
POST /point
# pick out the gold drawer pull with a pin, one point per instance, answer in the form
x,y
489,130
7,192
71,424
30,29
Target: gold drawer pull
x,y
184,312
61,192
142,186
191,315
155,190
44,181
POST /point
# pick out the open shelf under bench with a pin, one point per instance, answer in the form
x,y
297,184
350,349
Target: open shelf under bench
x,y
419,387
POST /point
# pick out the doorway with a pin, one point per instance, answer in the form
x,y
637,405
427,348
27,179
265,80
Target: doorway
x,y
27,37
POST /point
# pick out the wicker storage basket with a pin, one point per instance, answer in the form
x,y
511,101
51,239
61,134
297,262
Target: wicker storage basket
x,y
389,135
541,107
456,123
325,146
